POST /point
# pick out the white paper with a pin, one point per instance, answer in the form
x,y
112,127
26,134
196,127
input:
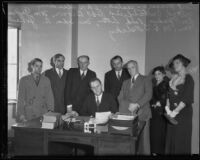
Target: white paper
x,y
102,117
120,128
124,117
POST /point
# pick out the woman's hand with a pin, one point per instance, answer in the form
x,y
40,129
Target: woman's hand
x,y
168,110
173,114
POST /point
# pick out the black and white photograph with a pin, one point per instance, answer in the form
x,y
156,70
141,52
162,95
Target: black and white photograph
x,y
101,79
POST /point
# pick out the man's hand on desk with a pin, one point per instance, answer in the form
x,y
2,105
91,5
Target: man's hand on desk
x,y
72,114
112,115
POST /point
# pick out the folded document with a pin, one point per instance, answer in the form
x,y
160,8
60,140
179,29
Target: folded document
x,y
102,117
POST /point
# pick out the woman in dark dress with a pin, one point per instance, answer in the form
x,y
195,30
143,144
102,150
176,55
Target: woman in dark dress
x,y
179,107
158,102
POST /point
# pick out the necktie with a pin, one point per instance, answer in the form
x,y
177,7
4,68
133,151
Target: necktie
x,y
37,79
133,80
118,75
82,75
60,74
97,101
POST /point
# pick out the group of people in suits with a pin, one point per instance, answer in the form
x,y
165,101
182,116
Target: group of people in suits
x,y
125,91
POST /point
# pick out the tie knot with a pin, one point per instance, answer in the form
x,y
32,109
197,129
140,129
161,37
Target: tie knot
x,y
97,100
60,73
82,75
118,75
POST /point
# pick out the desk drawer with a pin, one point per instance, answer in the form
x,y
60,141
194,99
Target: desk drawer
x,y
115,147
28,142
60,137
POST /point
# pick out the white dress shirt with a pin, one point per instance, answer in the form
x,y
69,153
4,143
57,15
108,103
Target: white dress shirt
x,y
135,77
81,72
118,72
61,70
99,97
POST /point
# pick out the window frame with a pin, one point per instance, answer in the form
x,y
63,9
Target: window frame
x,y
18,27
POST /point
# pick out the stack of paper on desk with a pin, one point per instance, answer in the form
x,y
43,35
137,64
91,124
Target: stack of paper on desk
x,y
124,117
50,125
50,120
102,117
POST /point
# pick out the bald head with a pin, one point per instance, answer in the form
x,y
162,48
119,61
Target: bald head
x,y
132,67
83,62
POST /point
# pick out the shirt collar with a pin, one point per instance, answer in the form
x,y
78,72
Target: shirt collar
x,y
135,77
99,97
57,70
85,72
120,72
34,75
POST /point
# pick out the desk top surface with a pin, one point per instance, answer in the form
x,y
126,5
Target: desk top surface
x,y
36,124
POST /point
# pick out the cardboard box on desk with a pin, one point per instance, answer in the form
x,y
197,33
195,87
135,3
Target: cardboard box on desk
x,y
124,126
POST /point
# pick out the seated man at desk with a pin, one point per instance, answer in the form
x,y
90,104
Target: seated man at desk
x,y
98,101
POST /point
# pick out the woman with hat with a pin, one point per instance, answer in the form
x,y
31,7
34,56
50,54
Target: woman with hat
x,y
179,108
158,102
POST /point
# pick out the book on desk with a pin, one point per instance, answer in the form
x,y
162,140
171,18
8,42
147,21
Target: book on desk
x,y
51,120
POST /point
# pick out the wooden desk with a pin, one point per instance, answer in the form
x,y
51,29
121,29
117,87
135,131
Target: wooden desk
x,y
31,139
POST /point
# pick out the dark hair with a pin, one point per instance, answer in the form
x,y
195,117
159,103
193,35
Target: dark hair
x,y
159,68
117,57
94,79
51,62
58,55
32,62
82,57
180,57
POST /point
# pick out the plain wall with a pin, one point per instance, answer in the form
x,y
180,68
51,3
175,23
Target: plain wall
x,y
94,41
38,37
162,46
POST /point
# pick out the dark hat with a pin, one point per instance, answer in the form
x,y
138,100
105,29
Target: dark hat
x,y
159,68
182,58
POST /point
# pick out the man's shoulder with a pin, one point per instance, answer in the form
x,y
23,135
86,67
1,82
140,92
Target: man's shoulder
x,y
108,95
91,71
109,72
48,71
90,96
46,79
73,70
25,78
126,81
65,70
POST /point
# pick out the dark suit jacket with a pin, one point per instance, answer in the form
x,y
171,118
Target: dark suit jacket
x,y
112,85
107,104
58,86
77,89
140,93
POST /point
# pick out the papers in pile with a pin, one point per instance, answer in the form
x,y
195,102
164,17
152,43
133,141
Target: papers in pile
x,y
102,117
122,117
50,120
